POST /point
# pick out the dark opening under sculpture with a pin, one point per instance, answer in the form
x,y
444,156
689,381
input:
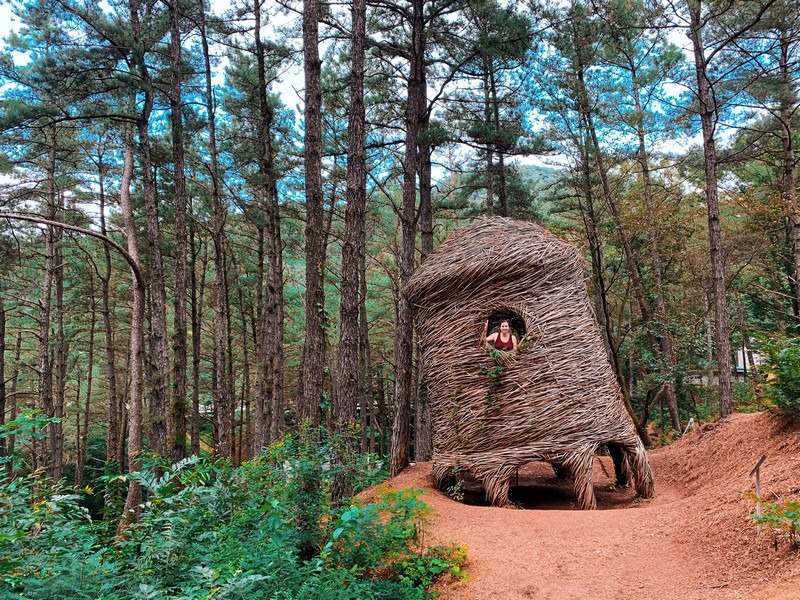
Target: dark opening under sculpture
x,y
556,399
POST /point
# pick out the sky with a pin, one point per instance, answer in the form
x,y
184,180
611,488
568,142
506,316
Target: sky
x,y
6,19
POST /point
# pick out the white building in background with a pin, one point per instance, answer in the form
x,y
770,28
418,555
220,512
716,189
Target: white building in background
x,y
744,364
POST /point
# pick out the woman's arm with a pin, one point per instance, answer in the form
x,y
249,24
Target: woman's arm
x,y
514,339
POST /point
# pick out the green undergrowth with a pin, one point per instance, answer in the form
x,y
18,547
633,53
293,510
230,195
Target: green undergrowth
x,y
266,529
782,519
782,387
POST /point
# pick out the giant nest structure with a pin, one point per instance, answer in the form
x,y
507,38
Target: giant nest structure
x,y
555,399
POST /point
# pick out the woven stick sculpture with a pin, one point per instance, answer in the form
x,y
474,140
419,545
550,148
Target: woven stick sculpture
x,y
555,399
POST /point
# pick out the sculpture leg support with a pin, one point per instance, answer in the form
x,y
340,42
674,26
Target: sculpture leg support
x,y
580,465
497,483
442,475
637,457
622,467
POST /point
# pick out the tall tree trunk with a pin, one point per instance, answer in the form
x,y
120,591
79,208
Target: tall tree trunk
x,y
157,368
632,265
667,355
176,425
114,433
383,414
244,404
3,442
404,325
229,363
222,398
136,361
788,106
83,436
45,372
194,428
80,457
59,392
423,433
591,222
276,292
366,396
502,192
271,359
260,427
12,412
223,403
312,366
487,119
344,411
198,293
707,110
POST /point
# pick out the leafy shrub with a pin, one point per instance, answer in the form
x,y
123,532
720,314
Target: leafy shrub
x,y
745,396
208,530
783,379
783,518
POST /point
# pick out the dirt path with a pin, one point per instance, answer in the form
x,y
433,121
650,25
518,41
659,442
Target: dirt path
x,y
693,541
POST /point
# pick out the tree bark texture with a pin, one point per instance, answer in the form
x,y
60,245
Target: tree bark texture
x,y
82,437
114,433
197,295
487,119
176,425
269,415
3,442
788,107
666,355
365,359
312,366
158,360
12,408
222,396
277,303
344,415
404,323
133,500
45,373
707,110
423,431
59,391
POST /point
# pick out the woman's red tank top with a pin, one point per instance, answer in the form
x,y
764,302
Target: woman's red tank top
x,y
501,345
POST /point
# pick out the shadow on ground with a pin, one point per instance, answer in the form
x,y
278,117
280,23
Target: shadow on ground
x,y
536,487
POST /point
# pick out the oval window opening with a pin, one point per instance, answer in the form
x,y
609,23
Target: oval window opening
x,y
515,322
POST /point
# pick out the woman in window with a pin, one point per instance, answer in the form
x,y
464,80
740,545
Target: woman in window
x,y
503,339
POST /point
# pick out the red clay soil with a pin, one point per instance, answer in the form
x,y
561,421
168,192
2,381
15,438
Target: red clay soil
x,y
693,541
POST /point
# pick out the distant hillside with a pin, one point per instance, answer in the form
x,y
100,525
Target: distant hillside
x,y
538,175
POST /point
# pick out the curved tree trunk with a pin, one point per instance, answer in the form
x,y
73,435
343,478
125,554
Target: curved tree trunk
x,y
133,500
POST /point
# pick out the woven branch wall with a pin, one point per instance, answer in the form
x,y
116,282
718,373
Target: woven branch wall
x,y
555,399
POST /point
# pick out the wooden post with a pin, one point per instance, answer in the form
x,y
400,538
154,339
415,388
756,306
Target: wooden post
x,y
757,472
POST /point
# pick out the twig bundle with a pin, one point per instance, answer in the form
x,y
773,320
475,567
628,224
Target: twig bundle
x,y
555,399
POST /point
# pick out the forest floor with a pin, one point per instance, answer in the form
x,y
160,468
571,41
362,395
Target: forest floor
x,y
693,541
